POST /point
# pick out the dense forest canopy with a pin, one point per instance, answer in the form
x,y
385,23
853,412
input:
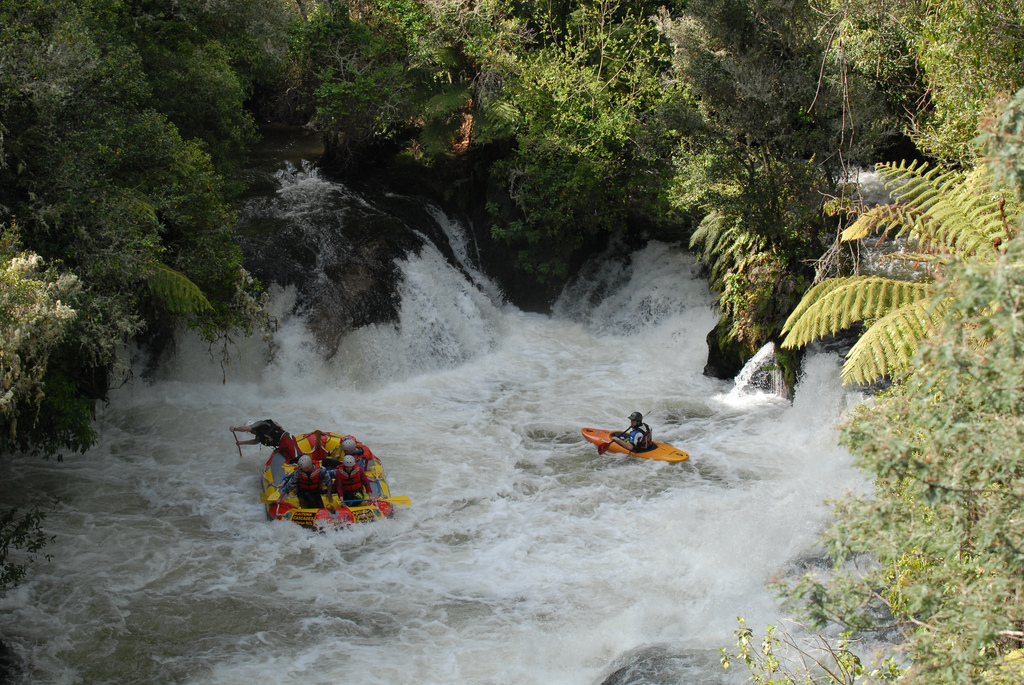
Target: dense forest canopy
x,y
733,126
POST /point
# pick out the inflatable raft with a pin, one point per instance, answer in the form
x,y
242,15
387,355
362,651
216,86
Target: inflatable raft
x,y
325,448
662,451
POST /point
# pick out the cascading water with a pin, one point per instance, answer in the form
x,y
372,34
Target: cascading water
x,y
761,373
525,557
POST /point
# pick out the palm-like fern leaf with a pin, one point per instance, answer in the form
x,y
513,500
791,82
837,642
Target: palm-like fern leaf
x,y
941,211
891,342
174,289
725,244
838,303
883,219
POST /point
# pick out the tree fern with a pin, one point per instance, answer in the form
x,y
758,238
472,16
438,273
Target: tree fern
x,y
948,217
174,289
444,115
838,303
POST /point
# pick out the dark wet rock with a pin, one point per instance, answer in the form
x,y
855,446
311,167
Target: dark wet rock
x,y
10,665
666,665
334,247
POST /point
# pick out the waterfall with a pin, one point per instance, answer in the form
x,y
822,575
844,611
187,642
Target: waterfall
x,y
761,373
525,556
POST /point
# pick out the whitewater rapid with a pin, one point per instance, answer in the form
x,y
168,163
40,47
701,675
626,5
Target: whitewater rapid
x,y
525,557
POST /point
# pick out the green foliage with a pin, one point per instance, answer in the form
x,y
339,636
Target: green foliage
x,y
588,157
941,526
945,217
177,293
775,130
1002,138
21,535
889,342
971,53
877,42
814,660
34,317
942,62
358,73
1010,671
195,87
938,210
94,97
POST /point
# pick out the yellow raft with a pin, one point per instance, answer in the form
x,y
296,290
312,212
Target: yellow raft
x,y
325,448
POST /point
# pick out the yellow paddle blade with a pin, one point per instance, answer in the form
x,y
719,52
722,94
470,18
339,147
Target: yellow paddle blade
x,y
272,498
400,499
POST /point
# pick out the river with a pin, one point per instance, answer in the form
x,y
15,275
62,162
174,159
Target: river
x,y
525,557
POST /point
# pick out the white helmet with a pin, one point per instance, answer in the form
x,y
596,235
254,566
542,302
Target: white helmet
x,y
349,461
305,463
348,446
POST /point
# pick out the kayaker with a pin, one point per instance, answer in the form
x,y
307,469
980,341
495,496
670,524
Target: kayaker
x,y
269,433
309,481
362,453
351,482
637,437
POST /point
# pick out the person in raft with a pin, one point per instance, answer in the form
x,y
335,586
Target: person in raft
x,y
362,453
637,437
269,433
351,482
309,481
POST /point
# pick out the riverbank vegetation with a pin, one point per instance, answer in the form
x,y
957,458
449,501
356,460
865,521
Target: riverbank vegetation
x,y
736,127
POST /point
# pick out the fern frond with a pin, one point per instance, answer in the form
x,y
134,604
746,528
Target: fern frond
x,y
437,135
890,342
838,303
945,212
448,101
494,120
882,219
174,289
724,244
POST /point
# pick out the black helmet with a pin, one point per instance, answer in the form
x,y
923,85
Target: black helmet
x,y
636,416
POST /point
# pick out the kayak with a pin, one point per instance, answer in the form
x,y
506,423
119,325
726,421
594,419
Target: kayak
x,y
662,451
325,448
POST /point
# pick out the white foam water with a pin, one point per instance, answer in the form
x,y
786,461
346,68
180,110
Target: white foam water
x,y
525,557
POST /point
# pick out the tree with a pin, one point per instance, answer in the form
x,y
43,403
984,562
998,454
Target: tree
x,y
935,550
102,187
781,117
357,72
941,62
34,318
590,156
21,541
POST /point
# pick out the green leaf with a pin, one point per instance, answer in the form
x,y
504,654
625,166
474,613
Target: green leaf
x,y
177,293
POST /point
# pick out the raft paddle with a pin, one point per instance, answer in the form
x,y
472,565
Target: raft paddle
x,y
271,498
398,499
237,443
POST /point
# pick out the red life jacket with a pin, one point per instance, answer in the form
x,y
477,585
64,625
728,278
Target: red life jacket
x,y
350,482
310,481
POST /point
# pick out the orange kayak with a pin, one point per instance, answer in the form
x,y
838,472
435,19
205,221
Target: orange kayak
x,y
662,451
